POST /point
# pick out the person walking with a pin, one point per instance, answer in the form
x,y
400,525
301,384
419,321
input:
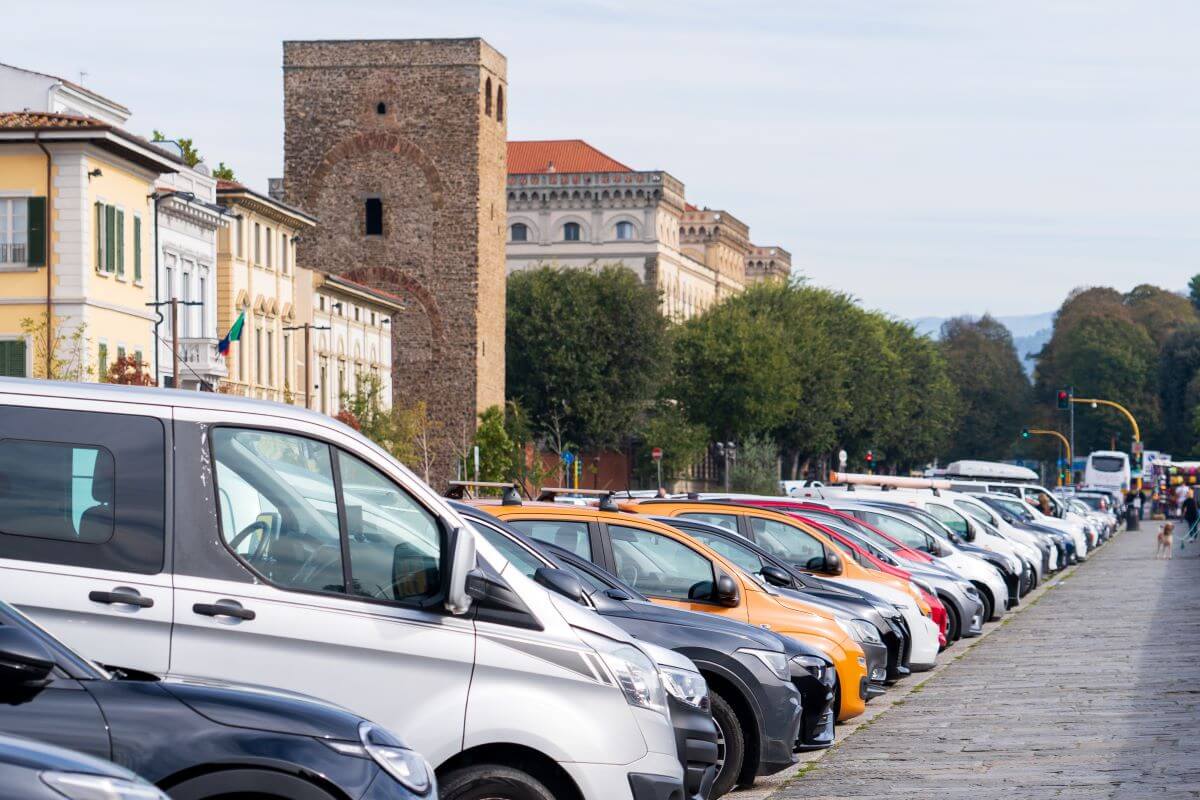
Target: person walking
x,y
1141,503
1190,511
1137,505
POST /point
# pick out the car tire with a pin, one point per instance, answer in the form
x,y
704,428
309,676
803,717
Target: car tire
x,y
953,623
731,745
989,607
492,782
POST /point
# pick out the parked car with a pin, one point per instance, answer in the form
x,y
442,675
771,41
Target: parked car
x,y
32,770
757,693
673,569
211,535
198,740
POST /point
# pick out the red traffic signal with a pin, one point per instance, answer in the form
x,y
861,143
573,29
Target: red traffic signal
x,y
870,456
1064,399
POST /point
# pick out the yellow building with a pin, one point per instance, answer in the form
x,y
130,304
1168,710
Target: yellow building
x,y
257,276
76,244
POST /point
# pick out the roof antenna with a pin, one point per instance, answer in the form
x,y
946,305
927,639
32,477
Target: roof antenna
x,y
82,75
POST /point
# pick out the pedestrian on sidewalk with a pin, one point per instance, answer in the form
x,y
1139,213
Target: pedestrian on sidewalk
x,y
1189,510
1141,503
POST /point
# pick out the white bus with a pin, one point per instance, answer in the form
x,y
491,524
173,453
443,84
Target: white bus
x,y
1108,469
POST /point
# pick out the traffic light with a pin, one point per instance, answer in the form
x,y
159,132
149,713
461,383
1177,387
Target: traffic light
x,y
1064,399
1024,433
870,456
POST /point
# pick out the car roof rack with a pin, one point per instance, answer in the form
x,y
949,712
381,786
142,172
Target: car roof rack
x,y
607,503
461,490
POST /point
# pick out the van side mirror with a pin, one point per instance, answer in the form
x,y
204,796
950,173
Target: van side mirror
x,y
561,581
492,594
462,562
727,593
775,576
23,658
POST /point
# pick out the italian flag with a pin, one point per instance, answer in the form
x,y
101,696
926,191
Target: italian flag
x,y
235,333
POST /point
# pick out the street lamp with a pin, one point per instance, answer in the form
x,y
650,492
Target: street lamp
x,y
1096,402
728,452
1027,432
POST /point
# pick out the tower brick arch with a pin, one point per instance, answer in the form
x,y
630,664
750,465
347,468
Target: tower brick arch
x,y
375,141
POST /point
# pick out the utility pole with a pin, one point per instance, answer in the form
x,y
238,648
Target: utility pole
x,y
174,303
308,327
1071,445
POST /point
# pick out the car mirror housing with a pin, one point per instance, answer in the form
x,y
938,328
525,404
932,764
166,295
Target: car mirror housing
x,y
23,658
561,581
776,576
833,563
727,592
462,562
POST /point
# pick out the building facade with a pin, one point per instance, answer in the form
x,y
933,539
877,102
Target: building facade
x,y
258,277
351,339
572,206
188,220
398,147
76,249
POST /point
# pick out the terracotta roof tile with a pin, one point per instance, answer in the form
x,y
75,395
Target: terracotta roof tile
x,y
38,120
559,155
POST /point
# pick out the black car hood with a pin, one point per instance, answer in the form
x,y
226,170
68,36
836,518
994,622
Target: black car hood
x,y
651,612
263,708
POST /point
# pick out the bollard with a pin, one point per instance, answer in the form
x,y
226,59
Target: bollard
x,y
1131,518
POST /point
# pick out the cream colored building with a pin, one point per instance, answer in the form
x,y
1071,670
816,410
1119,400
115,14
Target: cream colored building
x,y
257,274
570,205
75,238
351,337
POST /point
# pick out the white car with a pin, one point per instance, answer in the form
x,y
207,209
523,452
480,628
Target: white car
x,y
214,536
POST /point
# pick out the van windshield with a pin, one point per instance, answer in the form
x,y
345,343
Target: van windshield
x,y
1108,463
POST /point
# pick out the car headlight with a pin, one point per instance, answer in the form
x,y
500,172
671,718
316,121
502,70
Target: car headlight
x,y
775,661
633,670
79,786
968,588
813,665
860,630
685,685
406,766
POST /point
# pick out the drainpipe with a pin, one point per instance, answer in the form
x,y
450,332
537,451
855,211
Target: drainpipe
x,y
37,137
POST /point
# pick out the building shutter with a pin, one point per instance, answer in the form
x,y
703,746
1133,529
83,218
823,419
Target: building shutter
x,y
99,236
110,245
120,242
12,359
137,248
36,230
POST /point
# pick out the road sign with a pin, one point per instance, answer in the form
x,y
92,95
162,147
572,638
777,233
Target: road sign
x,y
1138,447
843,457
656,453
568,457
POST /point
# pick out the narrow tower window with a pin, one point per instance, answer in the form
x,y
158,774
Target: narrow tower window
x,y
374,216
487,97
500,104
381,108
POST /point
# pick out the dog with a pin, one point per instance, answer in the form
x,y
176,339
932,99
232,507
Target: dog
x,y
1165,541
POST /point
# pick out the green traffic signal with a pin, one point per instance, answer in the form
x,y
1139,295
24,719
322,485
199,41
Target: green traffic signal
x,y
1025,433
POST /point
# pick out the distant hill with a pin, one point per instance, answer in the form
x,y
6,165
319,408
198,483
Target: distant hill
x,y
1030,332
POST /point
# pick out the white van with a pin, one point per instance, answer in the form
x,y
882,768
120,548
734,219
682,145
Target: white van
x,y
1108,469
215,536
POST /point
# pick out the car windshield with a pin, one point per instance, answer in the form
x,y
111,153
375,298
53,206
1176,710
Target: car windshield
x,y
1091,501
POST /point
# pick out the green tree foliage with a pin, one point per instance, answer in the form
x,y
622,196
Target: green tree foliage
x,y
1179,388
994,389
585,352
191,156
1194,291
682,442
496,449
756,468
224,172
1160,312
924,400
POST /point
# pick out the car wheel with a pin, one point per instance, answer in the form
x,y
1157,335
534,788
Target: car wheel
x,y
953,624
492,782
731,745
988,606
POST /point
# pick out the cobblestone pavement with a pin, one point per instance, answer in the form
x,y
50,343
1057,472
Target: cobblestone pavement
x,y
1091,692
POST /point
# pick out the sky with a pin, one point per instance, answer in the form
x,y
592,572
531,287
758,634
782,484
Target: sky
x,y
930,158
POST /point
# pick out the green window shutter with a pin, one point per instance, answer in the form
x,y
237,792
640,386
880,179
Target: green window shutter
x,y
137,248
12,359
103,361
110,244
120,242
99,236
137,355
36,232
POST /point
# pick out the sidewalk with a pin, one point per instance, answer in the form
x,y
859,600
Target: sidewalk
x,y
1091,689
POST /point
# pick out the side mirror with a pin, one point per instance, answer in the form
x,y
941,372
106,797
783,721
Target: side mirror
x,y
833,563
23,659
727,593
462,562
491,592
970,534
619,595
776,576
561,581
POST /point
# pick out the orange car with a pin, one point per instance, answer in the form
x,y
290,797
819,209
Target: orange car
x,y
674,569
785,535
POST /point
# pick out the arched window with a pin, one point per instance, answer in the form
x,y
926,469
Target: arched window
x,y
519,232
624,230
381,108
487,97
500,104
572,232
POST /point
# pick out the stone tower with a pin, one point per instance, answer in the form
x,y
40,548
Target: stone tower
x,y
398,147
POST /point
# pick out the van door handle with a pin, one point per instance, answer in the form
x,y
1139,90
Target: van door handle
x,y
122,595
224,608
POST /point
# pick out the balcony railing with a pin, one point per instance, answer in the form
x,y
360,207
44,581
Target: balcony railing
x,y
13,253
201,356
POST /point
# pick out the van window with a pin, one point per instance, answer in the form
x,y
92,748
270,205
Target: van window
x,y
1107,463
726,521
57,491
569,534
784,541
83,488
278,509
395,544
659,566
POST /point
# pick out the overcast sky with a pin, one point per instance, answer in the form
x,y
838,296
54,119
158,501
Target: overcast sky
x,y
931,158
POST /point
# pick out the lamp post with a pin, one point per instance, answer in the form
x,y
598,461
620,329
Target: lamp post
x,y
1027,432
174,303
1137,432
308,327
728,452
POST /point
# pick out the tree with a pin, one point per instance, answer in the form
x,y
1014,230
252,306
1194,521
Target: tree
x,y
223,172
993,388
755,469
585,352
925,401
495,447
64,345
1160,312
681,441
129,371
188,152
1179,391
1194,291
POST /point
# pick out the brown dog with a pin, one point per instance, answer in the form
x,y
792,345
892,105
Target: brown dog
x,y
1165,541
